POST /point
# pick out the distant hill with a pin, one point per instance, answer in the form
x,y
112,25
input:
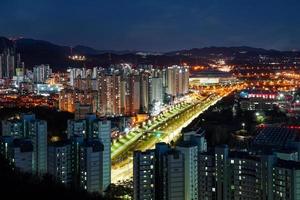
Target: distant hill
x,y
85,50
80,49
34,52
225,51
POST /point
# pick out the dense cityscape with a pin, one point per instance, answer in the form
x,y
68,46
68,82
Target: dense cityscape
x,y
196,123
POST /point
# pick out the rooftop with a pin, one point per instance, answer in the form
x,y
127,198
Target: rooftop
x,y
275,137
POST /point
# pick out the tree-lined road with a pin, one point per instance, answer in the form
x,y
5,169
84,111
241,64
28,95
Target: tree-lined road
x,y
163,128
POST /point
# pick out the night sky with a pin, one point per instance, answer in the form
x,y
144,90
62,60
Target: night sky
x,y
155,25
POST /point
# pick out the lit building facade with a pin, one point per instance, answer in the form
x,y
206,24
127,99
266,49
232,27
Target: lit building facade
x,y
86,131
144,175
28,127
19,152
268,170
109,95
59,161
144,92
156,91
120,90
68,98
169,173
91,172
9,61
177,80
41,73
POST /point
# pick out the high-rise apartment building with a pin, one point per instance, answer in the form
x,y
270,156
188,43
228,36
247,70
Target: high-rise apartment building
x,y
28,127
177,80
120,90
82,160
86,131
256,174
19,152
109,95
190,154
59,161
173,175
125,96
144,175
41,73
9,61
169,173
144,91
286,180
156,91
91,168
135,94
68,98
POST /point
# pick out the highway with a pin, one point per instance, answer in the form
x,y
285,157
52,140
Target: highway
x,y
164,128
125,142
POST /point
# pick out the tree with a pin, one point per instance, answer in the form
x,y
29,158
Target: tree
x,y
121,190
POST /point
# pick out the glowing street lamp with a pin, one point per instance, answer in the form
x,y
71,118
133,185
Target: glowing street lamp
x,y
243,125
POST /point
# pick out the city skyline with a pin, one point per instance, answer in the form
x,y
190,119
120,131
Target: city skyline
x,y
150,100
155,26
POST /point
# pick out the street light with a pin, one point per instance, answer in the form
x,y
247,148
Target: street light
x,y
243,125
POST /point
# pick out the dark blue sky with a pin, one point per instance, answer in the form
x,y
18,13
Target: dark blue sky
x,y
157,25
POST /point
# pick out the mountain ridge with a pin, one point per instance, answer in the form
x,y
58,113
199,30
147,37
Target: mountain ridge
x,y
94,51
35,52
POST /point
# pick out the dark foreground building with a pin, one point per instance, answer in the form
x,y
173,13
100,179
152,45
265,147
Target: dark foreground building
x,y
269,170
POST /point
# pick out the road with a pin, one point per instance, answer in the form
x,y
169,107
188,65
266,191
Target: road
x,y
168,127
125,142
